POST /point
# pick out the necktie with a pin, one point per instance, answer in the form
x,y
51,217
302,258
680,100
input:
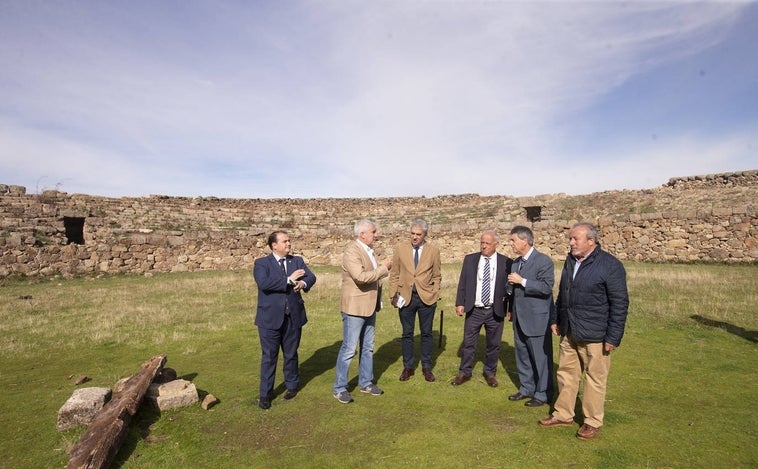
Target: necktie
x,y
286,303
486,282
521,264
415,264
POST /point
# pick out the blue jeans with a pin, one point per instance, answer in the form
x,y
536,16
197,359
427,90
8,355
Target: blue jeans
x,y
356,329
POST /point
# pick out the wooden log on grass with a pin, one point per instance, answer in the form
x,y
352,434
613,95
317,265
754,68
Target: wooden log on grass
x,y
101,441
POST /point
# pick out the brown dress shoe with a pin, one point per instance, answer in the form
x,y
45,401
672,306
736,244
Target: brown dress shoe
x,y
491,381
407,373
428,375
554,422
587,432
460,379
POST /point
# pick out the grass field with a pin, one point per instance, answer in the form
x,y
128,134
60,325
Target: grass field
x,y
680,391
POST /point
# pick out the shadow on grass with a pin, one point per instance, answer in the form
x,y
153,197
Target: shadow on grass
x,y
751,336
384,356
506,356
140,426
321,361
139,429
391,351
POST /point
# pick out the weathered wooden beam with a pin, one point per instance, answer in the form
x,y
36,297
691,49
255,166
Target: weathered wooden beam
x,y
101,441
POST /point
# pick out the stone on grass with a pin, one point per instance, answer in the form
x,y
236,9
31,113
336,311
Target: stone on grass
x,y
81,379
177,393
209,401
82,407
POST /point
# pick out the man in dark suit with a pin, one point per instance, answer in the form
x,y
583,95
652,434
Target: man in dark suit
x,y
280,315
482,298
532,282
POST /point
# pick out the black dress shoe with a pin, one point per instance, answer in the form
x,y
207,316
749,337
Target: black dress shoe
x,y
290,393
264,403
517,397
534,402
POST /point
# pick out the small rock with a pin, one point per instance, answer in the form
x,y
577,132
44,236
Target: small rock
x,y
209,401
81,379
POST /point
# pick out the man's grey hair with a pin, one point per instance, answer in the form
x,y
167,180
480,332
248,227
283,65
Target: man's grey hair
x,y
493,233
362,225
591,230
523,233
421,223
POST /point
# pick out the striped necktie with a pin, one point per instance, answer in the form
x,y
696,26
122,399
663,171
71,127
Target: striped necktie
x,y
486,282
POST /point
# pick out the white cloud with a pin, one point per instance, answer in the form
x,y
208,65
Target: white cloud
x,y
345,99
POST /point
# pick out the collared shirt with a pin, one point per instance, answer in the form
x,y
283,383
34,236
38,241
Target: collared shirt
x,y
523,261
290,282
579,262
420,249
278,261
480,275
369,251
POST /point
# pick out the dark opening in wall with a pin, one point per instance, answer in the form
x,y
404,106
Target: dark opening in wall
x,y
74,229
533,213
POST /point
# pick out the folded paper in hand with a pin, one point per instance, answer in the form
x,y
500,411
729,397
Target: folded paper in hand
x,y
397,300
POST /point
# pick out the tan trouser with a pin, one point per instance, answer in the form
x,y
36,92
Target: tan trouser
x,y
574,359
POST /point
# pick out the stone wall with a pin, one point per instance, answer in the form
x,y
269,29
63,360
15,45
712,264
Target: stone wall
x,y
694,219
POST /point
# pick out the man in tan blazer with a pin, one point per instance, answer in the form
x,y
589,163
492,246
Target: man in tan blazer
x,y
360,299
415,288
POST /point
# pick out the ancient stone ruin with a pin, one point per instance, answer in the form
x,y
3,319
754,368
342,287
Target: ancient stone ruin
x,y
709,218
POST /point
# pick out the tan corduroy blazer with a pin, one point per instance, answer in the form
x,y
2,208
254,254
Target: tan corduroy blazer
x,y
427,275
361,291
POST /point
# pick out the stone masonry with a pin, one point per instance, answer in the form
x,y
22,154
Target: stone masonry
x,y
708,218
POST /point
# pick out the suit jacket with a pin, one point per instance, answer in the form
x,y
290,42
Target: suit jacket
x,y
361,291
466,295
427,276
531,305
274,294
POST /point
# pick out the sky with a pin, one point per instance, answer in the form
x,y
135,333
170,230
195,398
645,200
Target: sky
x,y
344,98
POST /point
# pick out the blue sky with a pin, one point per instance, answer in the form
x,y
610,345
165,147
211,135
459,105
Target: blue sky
x,y
348,98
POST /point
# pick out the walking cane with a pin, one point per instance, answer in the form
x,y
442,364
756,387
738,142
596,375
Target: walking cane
x,y
442,321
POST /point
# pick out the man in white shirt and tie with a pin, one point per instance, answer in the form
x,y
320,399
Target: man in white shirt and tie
x,y
482,298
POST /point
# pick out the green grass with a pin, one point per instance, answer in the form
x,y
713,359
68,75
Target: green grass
x,y
680,389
